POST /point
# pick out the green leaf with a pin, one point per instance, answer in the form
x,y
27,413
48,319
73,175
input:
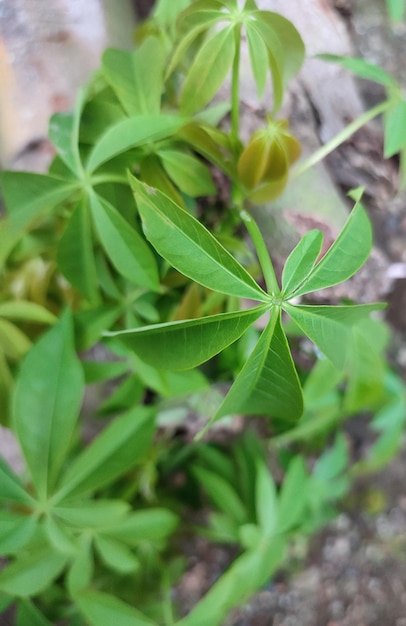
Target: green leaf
x,y
334,460
347,254
130,133
187,172
268,382
32,573
395,129
126,249
258,52
116,555
13,343
21,310
186,344
192,23
11,488
151,525
90,323
15,531
246,575
222,494
301,260
75,253
121,446
293,496
396,9
189,247
102,609
92,513
58,536
81,570
362,68
265,500
29,197
330,327
285,48
48,396
129,74
208,71
29,615
64,134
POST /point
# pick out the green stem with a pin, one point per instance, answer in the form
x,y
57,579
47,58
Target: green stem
x,y
101,179
262,252
235,88
336,141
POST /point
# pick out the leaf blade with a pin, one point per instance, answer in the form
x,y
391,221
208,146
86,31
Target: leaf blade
x,y
189,247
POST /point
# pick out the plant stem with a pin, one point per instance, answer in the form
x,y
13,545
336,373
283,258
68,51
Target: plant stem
x,y
342,136
101,179
262,252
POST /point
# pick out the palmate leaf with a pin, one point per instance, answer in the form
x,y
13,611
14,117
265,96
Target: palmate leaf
x,y
151,525
125,247
191,23
29,615
246,575
129,74
362,68
301,260
11,489
131,133
187,172
121,446
268,382
189,247
329,327
15,531
21,310
64,134
186,344
285,50
208,71
395,129
75,253
345,257
48,396
101,609
31,574
29,196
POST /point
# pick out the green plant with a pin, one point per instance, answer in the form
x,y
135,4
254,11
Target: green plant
x,y
113,243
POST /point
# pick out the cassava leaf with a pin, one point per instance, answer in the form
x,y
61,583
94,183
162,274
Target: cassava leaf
x,y
126,249
75,254
246,575
395,129
32,573
187,172
151,525
293,496
48,396
101,609
129,74
208,71
222,494
258,52
347,254
29,615
64,134
186,344
329,327
189,247
15,531
121,446
301,260
11,488
116,555
130,133
266,503
29,196
362,68
268,382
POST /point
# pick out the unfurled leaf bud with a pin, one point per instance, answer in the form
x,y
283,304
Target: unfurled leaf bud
x,y
264,163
